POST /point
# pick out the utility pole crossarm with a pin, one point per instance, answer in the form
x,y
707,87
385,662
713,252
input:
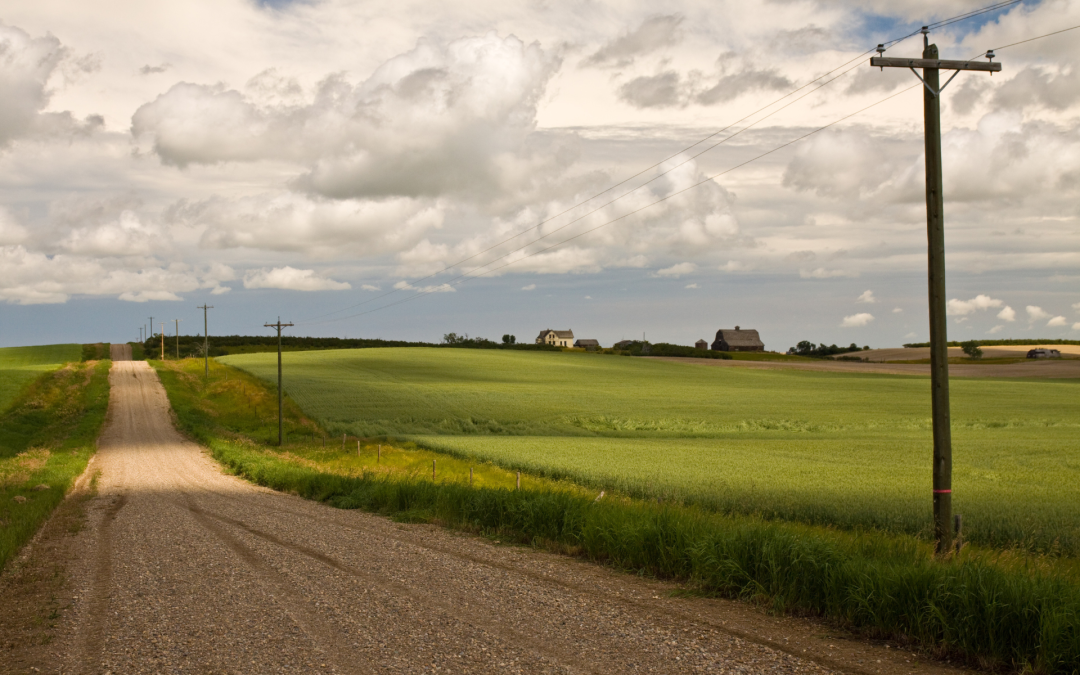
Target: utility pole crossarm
x,y
889,62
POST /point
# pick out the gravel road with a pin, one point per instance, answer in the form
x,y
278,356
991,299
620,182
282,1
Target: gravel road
x,y
183,569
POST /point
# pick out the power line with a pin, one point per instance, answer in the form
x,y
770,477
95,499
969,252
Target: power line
x,y
466,277
944,22
1063,30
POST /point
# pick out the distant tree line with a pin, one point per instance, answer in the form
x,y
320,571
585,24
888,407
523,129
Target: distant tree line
x,y
999,343
807,348
640,348
508,342
223,345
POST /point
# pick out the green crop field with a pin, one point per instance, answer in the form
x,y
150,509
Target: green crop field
x,y
825,448
20,365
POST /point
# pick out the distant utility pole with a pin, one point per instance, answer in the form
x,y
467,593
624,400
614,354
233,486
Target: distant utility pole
x,y
151,326
162,340
935,232
141,328
177,338
278,326
206,341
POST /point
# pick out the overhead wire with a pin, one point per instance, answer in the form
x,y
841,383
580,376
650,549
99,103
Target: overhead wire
x,y
470,274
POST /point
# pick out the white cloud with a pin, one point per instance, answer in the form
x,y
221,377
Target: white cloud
x,y
734,266
867,297
1057,321
405,131
369,287
691,286
146,296
856,320
1007,314
588,297
897,310
1036,313
1076,306
529,287
957,307
995,330
677,270
822,273
291,279
1076,326
11,232
441,288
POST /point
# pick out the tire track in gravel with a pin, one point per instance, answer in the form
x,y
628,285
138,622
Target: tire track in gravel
x,y
188,569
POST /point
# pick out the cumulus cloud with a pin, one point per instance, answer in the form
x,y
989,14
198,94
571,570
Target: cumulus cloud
x,y
1007,314
405,131
867,297
1076,306
286,221
669,88
897,310
856,320
1036,313
291,279
653,34
1057,321
1076,326
11,232
440,288
822,273
735,266
29,278
995,330
677,270
529,287
957,307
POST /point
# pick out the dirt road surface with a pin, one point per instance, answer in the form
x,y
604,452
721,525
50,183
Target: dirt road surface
x,y
120,352
183,569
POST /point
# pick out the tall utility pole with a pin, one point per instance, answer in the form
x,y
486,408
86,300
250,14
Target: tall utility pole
x,y
162,340
935,233
278,326
177,338
206,341
151,327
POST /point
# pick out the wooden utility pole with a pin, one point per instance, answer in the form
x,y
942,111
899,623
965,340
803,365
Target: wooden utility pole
x,y
935,233
162,340
206,342
279,326
177,338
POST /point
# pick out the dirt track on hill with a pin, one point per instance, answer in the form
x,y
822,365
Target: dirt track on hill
x,y
1049,368
182,568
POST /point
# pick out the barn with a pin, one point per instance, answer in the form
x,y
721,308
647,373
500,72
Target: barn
x,y
737,340
589,345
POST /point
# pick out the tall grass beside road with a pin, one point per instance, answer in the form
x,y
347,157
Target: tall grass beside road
x,y
996,609
46,438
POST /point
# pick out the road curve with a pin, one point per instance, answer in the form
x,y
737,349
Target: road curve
x,y
184,569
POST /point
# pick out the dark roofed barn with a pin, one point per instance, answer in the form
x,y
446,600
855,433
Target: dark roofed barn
x,y
737,340
590,345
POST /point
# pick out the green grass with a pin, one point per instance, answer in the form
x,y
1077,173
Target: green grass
x,y
995,609
21,365
46,438
850,450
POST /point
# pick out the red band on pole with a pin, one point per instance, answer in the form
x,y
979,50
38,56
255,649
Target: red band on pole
x,y
942,492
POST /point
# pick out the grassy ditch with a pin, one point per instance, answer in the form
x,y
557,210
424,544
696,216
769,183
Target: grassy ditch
x,y
46,438
994,609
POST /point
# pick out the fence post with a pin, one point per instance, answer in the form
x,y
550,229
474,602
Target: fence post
x,y
519,480
343,442
432,470
358,448
378,458
470,476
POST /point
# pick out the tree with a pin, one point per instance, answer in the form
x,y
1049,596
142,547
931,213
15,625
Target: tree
x,y
971,348
509,339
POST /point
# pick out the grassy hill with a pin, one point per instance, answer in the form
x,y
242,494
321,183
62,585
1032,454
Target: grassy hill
x,y
850,450
20,365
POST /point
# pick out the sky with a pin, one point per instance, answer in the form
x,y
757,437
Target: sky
x,y
622,169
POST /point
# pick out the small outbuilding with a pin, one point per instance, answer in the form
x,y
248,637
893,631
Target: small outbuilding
x,y
559,338
589,345
623,344
737,340
701,344
1044,354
